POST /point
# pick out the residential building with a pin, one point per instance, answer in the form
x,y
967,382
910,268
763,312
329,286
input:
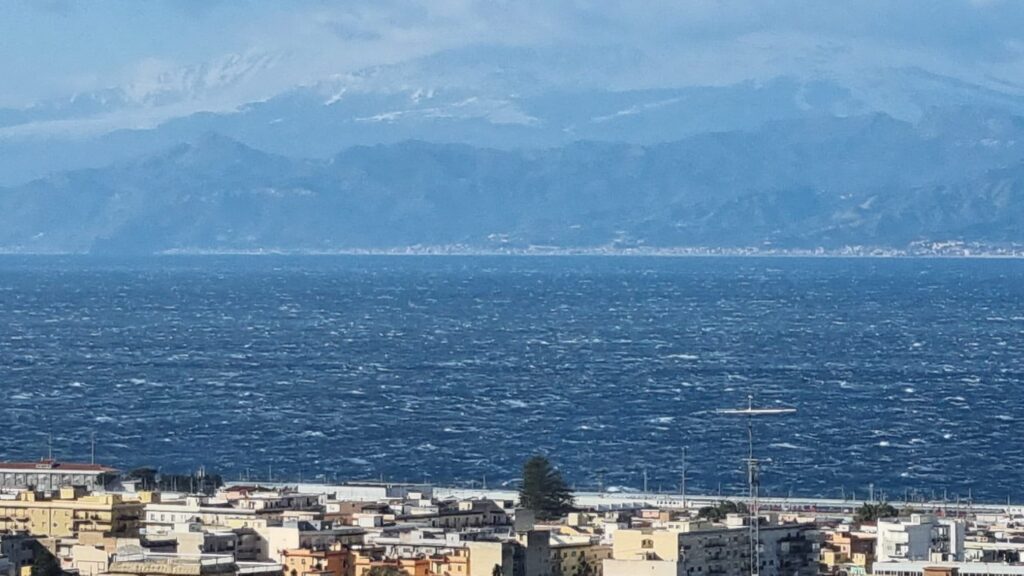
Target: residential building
x,y
278,501
193,538
19,550
987,549
302,562
382,491
930,568
409,540
921,537
69,512
457,515
570,553
363,562
700,548
484,555
686,548
533,554
90,560
48,475
454,563
149,564
314,535
844,549
789,550
162,516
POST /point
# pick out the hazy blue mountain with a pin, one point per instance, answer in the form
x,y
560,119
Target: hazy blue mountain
x,y
318,121
485,104
868,180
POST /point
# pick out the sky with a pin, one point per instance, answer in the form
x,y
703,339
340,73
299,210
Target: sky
x,y
182,56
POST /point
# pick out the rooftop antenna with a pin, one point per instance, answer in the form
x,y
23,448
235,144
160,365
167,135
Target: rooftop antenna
x,y
92,448
49,446
753,477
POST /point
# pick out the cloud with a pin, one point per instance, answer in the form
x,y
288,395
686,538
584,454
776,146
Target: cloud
x,y
206,54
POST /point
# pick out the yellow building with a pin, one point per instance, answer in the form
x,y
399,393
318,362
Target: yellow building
x,y
69,512
844,549
685,546
454,564
569,553
485,555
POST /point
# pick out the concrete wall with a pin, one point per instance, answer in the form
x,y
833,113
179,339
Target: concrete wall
x,y
642,568
89,560
903,541
484,556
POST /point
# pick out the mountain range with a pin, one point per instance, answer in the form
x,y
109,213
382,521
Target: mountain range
x,y
494,98
796,181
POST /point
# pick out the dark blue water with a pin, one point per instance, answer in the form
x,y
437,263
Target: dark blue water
x,y
906,373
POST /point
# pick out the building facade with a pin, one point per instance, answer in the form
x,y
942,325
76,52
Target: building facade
x,y
921,537
303,562
52,475
70,512
698,548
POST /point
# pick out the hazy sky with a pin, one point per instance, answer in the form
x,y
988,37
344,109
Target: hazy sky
x,y
210,53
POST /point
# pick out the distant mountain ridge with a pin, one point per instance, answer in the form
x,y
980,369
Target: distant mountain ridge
x,y
828,182
453,97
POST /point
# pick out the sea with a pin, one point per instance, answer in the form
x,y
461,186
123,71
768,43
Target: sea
x,y
907,375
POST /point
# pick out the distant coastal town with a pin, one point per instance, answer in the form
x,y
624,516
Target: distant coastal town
x,y
61,518
921,249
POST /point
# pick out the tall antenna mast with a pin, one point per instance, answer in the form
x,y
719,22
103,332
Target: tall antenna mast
x,y
92,448
753,475
682,479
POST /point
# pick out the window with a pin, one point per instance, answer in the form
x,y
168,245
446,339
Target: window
x,y
647,543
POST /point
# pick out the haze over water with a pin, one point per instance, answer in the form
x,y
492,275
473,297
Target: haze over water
x,y
906,373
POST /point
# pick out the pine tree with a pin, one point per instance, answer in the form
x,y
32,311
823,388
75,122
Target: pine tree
x,y
872,512
719,511
497,571
543,490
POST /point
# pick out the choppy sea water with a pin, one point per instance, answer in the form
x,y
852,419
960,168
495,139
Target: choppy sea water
x,y
908,374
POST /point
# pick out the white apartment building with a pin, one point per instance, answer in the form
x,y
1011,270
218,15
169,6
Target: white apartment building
x,y
922,537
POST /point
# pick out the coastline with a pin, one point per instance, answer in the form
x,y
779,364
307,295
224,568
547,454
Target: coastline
x,y
941,251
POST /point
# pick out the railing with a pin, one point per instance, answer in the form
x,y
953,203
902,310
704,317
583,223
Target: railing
x,y
201,559
259,568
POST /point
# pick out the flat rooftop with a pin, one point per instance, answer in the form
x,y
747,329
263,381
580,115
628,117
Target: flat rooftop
x,y
54,466
978,568
172,564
